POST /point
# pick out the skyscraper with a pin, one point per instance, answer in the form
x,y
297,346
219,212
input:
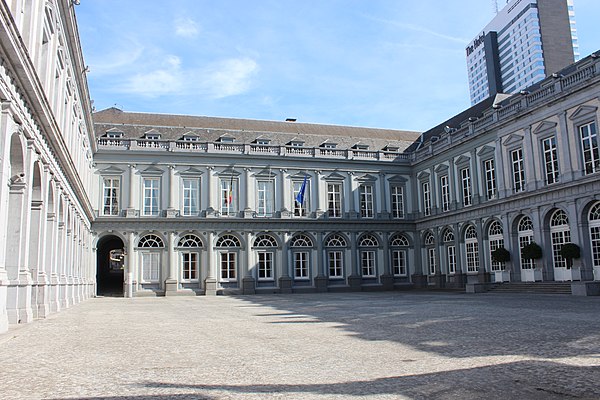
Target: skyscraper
x,y
525,42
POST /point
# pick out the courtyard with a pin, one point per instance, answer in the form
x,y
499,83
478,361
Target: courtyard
x,y
393,345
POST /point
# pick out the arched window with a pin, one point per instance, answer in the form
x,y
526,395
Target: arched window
x,y
335,256
190,241
525,234
448,239
228,241
560,233
335,240
265,240
301,240
190,258
301,256
151,241
594,222
368,240
398,244
472,249
496,240
399,240
429,241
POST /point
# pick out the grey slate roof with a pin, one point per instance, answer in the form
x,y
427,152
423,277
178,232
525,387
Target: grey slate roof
x,y
209,129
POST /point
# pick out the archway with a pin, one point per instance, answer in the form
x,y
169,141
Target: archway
x,y
109,266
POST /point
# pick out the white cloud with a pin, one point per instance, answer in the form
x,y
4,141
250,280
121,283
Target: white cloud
x,y
186,27
420,29
218,80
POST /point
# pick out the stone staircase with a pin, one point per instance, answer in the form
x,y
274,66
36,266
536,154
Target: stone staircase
x,y
532,287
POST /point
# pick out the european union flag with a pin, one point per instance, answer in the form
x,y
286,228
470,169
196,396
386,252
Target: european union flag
x,y
300,195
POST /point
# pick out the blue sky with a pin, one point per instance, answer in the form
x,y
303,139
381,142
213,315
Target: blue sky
x,y
376,63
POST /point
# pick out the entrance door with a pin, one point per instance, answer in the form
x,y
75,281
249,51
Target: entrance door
x,y
109,266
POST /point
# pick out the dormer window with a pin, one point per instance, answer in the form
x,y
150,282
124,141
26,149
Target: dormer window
x,y
361,146
391,148
114,135
152,136
226,139
296,143
328,145
190,138
262,141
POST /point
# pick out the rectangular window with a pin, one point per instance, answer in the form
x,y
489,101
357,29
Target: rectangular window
x,y
110,202
589,144
399,262
228,266
397,202
426,198
151,196
518,170
431,260
445,193
334,200
550,159
191,196
301,209
451,250
189,264
151,267
495,244
301,265
490,179
526,263
335,264
366,201
228,194
367,261
465,174
265,265
265,198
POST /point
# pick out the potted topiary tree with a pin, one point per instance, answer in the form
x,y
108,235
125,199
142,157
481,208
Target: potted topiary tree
x,y
501,256
570,251
532,251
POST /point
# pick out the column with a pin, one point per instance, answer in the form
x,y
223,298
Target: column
x,y
210,283
248,281
499,163
285,281
130,212
248,212
567,164
387,277
131,278
317,195
210,210
385,197
352,213
279,186
171,210
171,283
528,159
355,278
475,177
321,279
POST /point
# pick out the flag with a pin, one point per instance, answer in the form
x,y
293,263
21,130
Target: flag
x,y
230,193
300,195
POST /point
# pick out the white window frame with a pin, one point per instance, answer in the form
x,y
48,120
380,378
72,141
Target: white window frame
x,y
426,194
518,170
431,260
367,203
334,199
265,265
228,257
190,196
399,265
496,240
265,197
335,263
151,196
490,178
594,226
559,235
451,259
465,174
301,210
445,193
397,194
588,134
525,237
471,251
550,159
190,266
150,263
111,196
301,264
367,262
226,208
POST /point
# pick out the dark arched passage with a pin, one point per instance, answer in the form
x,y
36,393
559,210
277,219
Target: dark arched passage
x,y
109,266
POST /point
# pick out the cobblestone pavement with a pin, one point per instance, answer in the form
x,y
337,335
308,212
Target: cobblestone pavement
x,y
310,346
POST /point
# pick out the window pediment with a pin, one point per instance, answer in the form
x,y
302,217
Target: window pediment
x,y
112,170
335,176
152,170
462,160
191,172
513,139
486,151
441,168
367,178
265,173
545,126
228,172
397,179
423,175
583,112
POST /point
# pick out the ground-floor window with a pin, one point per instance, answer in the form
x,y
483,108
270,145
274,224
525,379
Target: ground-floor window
x,y
228,266
472,256
301,265
399,262
190,266
367,259
451,258
151,267
558,239
595,236
431,260
265,265
336,264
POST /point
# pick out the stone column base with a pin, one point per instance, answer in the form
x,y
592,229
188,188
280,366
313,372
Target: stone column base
x,y
285,284
248,285
210,285
355,282
321,283
171,286
387,281
420,281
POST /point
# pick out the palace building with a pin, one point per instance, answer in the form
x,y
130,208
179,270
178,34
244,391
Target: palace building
x,y
138,204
